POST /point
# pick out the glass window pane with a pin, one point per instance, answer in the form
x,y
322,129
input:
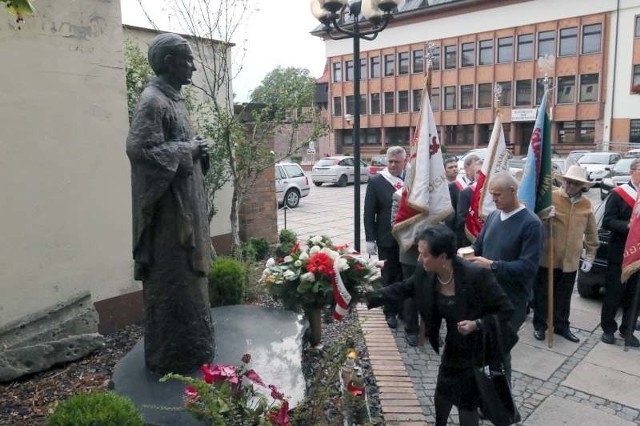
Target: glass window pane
x,y
348,70
466,96
363,104
417,99
375,103
467,55
505,50
435,98
388,103
589,88
403,63
418,61
403,101
450,97
449,57
485,56
637,32
566,89
337,106
568,41
525,47
484,95
636,74
363,68
634,132
435,59
505,97
546,43
337,72
375,67
591,35
523,92
389,65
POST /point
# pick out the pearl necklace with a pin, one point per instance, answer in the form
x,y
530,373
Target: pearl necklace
x,y
447,281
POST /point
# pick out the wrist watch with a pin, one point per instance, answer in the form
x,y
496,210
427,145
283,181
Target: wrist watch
x,y
478,324
494,266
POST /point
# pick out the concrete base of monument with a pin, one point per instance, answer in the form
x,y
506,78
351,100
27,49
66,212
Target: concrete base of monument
x,y
273,337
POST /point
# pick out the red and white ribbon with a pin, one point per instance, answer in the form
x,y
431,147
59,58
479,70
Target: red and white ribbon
x,y
340,295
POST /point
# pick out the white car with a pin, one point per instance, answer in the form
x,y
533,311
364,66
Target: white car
x,y
479,152
598,164
291,184
338,169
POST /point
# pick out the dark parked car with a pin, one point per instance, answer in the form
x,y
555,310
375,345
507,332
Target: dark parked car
x,y
591,284
620,174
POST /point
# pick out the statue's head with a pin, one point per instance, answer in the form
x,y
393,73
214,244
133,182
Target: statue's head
x,y
170,56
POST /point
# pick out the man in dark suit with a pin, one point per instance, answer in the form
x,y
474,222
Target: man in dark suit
x,y
616,218
377,221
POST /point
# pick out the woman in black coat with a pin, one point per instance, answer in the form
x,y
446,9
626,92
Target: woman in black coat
x,y
465,296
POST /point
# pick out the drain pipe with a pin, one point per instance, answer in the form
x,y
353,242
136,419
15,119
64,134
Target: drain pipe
x,y
613,82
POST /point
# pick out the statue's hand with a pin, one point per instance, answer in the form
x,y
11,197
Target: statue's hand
x,y
199,147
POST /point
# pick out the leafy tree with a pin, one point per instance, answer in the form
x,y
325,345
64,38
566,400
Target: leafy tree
x,y
241,136
284,90
19,8
138,73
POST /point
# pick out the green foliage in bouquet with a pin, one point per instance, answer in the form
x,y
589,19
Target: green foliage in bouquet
x,y
225,395
96,408
311,275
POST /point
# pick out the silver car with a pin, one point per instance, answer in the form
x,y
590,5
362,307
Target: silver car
x,y
339,170
291,184
598,164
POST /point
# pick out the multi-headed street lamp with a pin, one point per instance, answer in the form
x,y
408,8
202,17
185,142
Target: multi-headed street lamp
x,y
338,26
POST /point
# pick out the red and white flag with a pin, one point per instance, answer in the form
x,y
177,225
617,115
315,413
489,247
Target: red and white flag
x,y
425,196
631,255
481,203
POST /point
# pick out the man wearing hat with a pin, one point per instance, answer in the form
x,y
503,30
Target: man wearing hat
x,y
571,219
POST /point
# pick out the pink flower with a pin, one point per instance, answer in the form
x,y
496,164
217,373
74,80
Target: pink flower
x,y
192,394
275,394
280,417
218,373
253,376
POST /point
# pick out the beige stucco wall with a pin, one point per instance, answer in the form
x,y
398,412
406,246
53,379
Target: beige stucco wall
x,y
65,215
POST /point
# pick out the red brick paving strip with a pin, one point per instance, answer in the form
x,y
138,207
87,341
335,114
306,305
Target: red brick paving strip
x,y
400,405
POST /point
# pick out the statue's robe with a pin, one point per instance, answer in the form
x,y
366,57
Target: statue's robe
x,y
171,241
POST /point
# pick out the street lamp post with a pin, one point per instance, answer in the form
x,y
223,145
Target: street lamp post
x,y
377,14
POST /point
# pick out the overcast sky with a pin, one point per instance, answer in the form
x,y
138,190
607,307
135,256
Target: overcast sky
x,y
277,34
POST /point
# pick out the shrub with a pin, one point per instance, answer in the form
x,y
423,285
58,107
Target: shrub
x,y
248,252
287,239
97,408
261,248
227,281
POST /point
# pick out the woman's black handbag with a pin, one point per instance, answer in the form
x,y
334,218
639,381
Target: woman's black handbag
x,y
497,403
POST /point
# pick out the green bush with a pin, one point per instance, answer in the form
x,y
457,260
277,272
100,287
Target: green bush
x,y
287,236
260,247
227,282
97,408
248,252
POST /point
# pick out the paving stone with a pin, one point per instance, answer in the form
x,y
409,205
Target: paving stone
x,y
558,411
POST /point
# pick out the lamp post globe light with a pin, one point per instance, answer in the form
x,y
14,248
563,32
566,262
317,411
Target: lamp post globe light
x,y
376,14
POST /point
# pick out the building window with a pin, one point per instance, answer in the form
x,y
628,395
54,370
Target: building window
x,y
591,35
450,97
435,98
637,32
568,41
449,57
350,104
485,54
466,96
403,101
505,50
467,55
337,72
403,63
435,58
566,89
375,67
589,88
546,43
418,61
389,65
634,131
416,97
484,95
337,106
525,47
363,68
523,92
636,74
388,103
505,97
363,104
576,132
348,70
464,134
375,103
539,90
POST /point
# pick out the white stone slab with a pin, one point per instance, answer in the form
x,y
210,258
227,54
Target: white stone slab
x,y
584,319
557,411
614,356
605,382
560,344
534,361
591,305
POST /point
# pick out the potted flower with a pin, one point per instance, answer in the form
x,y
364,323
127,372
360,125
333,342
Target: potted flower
x,y
226,395
319,273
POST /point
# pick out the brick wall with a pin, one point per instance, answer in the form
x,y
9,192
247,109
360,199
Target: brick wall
x,y
258,213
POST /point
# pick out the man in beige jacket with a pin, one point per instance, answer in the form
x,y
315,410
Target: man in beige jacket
x,y
572,219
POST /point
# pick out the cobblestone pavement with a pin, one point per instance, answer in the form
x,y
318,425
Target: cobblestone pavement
x,y
588,383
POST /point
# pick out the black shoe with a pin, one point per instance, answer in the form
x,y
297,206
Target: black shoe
x,y
538,334
412,339
392,321
567,334
638,325
608,338
633,341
